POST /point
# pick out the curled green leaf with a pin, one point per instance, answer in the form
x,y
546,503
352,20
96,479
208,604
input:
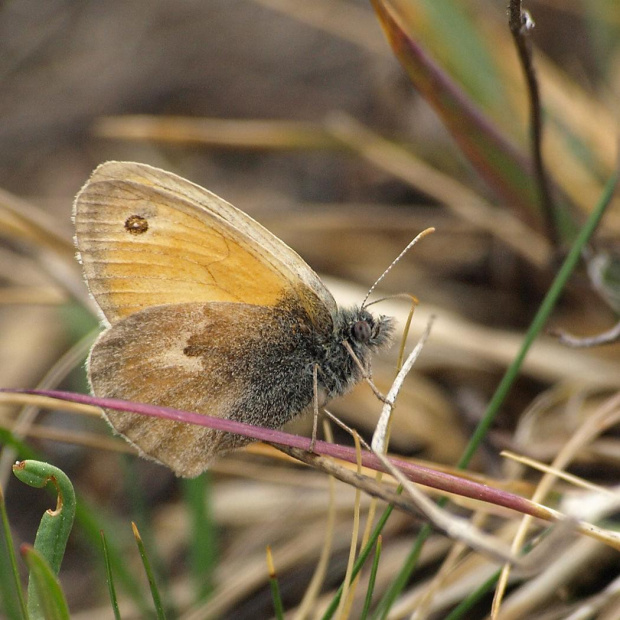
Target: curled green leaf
x,y
55,526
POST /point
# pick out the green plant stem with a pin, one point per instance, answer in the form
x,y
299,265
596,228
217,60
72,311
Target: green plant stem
x,y
140,513
202,547
278,607
110,578
466,604
56,524
359,563
398,584
371,580
92,522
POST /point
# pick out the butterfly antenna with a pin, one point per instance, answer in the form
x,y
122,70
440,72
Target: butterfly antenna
x,y
428,231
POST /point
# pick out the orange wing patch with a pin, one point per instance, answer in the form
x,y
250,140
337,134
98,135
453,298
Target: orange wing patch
x,y
148,237
139,250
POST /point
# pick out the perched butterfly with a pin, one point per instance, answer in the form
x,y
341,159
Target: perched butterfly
x,y
207,311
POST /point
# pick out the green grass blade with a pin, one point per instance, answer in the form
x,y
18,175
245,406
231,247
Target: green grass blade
x,y
458,613
202,546
278,607
23,450
371,580
91,522
140,515
51,602
159,608
539,321
12,600
361,560
110,578
400,581
506,170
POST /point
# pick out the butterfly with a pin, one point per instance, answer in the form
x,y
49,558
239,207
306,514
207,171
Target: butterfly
x,y
205,310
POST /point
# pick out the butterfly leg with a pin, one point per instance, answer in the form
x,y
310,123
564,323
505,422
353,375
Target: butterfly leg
x,y
365,373
315,398
347,429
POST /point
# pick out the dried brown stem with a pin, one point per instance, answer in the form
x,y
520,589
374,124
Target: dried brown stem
x,y
521,25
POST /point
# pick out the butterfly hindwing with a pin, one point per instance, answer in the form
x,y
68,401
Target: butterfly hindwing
x,y
198,361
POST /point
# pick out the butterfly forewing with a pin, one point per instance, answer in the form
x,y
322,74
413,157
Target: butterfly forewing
x,y
147,237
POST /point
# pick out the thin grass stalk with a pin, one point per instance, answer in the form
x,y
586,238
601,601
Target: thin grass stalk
x,y
372,579
148,569
202,546
110,578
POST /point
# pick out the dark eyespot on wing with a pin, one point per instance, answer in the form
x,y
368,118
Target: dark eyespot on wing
x,y
136,225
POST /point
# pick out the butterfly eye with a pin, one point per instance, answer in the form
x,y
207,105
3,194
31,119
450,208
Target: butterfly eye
x,y
361,331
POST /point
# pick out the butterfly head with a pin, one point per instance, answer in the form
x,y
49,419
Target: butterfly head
x,y
366,331
364,334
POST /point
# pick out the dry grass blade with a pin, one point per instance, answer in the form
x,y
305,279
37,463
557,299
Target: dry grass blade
x,y
234,134
608,415
464,202
311,595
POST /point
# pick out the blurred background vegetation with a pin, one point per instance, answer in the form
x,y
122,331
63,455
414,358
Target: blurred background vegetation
x,y
300,114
